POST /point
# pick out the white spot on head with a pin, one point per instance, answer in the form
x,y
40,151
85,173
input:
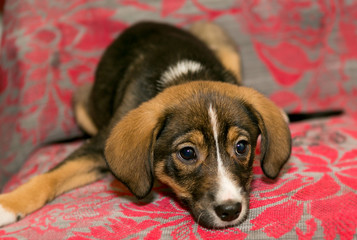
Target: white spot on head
x,y
181,68
6,217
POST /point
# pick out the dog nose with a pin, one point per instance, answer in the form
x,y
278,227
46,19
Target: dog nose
x,y
228,212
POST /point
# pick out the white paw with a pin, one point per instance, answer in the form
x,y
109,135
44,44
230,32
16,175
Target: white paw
x,y
6,217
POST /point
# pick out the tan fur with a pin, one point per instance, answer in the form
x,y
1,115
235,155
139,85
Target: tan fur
x,y
80,109
235,133
221,44
128,148
180,191
195,136
43,188
83,120
231,60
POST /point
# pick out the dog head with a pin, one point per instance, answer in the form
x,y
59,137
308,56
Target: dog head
x,y
200,138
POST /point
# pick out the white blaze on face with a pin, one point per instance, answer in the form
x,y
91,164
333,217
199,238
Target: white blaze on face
x,y
227,189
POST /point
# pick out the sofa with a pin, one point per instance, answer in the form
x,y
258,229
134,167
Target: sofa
x,y
301,54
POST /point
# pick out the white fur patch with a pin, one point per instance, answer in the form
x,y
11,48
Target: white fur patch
x,y
227,188
6,217
181,68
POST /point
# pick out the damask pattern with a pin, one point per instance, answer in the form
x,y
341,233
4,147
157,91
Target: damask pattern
x,y
302,54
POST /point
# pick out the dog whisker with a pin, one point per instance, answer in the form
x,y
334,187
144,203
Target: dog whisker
x,y
198,219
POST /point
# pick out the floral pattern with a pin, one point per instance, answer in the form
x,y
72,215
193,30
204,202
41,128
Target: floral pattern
x,y
305,50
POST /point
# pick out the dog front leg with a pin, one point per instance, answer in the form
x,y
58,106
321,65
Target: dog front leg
x,y
78,169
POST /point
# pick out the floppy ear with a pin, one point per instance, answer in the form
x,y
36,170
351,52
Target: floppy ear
x,y
129,148
275,133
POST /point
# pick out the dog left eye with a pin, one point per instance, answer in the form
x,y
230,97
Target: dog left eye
x,y
241,147
187,154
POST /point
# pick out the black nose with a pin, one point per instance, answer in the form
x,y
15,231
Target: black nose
x,y
228,212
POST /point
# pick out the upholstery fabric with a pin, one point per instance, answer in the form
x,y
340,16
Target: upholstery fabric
x,y
302,54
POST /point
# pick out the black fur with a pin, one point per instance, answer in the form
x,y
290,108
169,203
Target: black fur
x,y
136,60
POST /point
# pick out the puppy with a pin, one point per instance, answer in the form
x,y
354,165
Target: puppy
x,y
167,104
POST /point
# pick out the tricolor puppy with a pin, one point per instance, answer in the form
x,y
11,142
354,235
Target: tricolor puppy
x,y
167,104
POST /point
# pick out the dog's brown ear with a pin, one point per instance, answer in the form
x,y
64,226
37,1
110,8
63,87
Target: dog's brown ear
x,y
275,133
129,148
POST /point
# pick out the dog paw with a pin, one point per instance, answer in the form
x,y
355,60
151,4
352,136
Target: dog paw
x,y
6,216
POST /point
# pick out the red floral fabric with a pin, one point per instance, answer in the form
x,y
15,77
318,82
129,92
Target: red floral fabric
x,y
302,54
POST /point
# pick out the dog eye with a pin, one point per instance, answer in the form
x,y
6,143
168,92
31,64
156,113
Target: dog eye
x,y
241,147
187,154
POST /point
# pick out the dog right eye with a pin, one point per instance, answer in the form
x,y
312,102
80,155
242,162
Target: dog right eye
x,y
187,154
241,147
